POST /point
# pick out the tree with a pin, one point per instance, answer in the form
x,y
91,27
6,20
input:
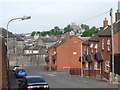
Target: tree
x,y
67,29
33,33
38,32
86,27
90,32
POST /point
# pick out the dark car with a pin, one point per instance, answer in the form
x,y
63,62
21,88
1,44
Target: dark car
x,y
33,83
15,67
20,72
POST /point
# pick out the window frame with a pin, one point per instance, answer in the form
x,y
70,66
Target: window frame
x,y
107,66
96,67
103,44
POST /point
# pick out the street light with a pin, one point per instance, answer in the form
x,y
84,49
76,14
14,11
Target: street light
x,y
22,18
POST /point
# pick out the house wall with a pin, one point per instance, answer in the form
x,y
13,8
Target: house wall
x,y
51,63
106,55
19,46
68,54
3,71
117,42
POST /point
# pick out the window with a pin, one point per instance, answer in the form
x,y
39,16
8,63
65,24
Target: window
x,y
108,42
85,48
108,45
108,48
86,65
107,66
91,46
95,65
92,50
96,47
103,42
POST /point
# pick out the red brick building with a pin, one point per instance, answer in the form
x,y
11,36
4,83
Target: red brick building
x,y
3,71
65,53
99,50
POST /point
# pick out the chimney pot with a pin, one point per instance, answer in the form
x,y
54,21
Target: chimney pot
x,y
105,23
117,16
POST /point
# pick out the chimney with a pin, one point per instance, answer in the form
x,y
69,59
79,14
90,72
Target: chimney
x,y
117,16
59,39
105,23
67,35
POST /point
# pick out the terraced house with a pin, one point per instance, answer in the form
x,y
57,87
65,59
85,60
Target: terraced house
x,y
65,54
98,49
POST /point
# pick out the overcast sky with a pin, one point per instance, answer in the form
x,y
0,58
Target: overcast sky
x,y
45,14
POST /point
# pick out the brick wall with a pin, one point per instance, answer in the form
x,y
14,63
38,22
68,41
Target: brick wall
x,y
3,73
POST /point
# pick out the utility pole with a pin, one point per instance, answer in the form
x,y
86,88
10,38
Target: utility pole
x,y
81,61
112,36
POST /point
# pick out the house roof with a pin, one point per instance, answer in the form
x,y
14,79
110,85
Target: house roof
x,y
57,44
3,32
32,48
18,38
48,39
42,49
105,33
94,38
64,40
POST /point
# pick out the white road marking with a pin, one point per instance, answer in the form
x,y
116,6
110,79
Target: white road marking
x,y
50,75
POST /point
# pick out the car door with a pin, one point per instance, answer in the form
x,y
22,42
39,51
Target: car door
x,y
22,84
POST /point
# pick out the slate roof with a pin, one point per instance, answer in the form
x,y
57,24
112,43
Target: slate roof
x,y
64,40
57,44
48,39
19,38
3,32
104,33
107,32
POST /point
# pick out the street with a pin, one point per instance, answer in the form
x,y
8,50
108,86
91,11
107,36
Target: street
x,y
62,79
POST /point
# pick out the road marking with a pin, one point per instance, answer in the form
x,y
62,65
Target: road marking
x,y
51,75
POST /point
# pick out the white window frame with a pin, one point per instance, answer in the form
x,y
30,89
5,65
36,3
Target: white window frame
x,y
108,45
103,43
95,65
108,42
108,48
107,66
87,65
85,48
96,47
91,46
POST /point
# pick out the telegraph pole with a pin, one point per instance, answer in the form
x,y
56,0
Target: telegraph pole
x,y
112,36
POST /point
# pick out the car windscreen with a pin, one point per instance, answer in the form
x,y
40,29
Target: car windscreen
x,y
35,80
20,70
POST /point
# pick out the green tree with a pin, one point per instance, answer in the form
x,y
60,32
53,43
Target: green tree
x,y
38,32
86,27
90,32
67,29
33,33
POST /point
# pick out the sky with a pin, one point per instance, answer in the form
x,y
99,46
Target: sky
x,y
46,14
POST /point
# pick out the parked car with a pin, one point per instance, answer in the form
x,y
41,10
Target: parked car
x,y
33,83
15,67
20,72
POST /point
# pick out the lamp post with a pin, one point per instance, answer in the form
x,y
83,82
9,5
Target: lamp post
x,y
112,36
22,18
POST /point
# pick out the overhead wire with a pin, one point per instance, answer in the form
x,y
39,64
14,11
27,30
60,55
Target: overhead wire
x,y
93,17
